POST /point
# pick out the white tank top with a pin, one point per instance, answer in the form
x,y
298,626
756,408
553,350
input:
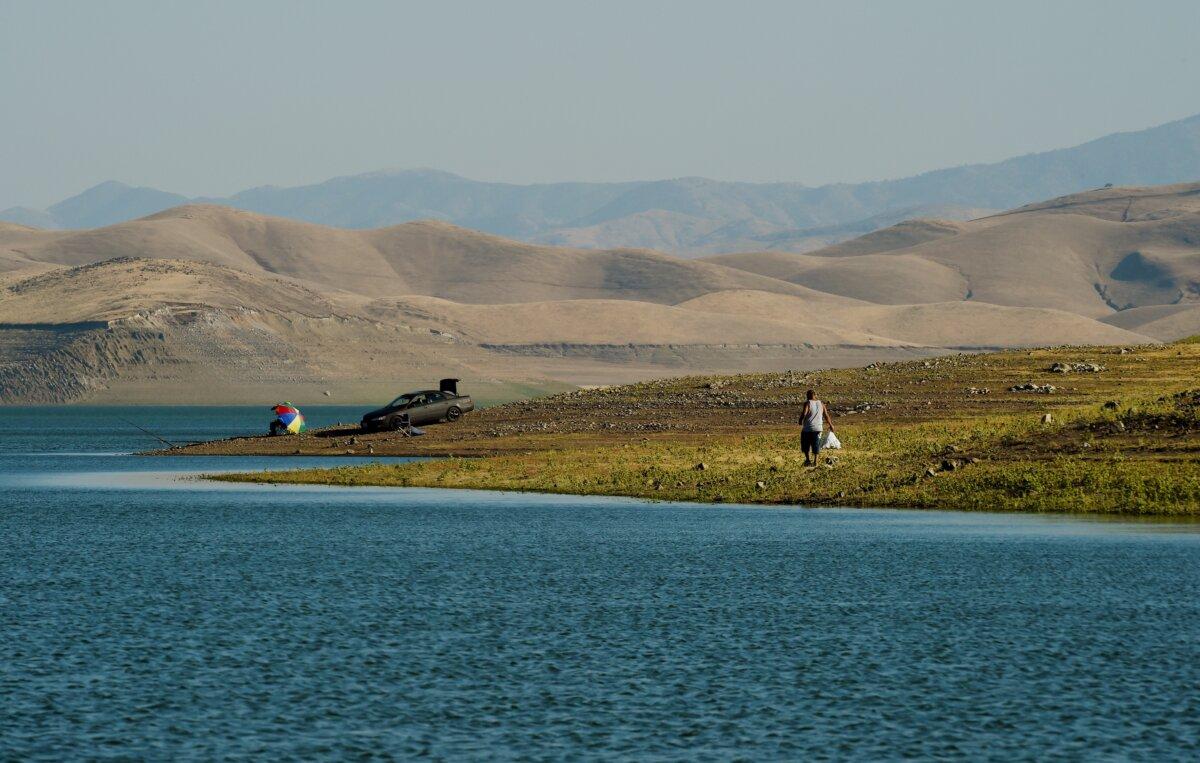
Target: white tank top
x,y
814,422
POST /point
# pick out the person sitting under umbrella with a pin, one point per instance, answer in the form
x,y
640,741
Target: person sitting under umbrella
x,y
288,420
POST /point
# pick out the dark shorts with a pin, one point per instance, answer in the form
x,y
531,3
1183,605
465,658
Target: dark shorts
x,y
810,441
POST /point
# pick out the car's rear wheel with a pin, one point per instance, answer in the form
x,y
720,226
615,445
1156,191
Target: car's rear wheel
x,y
453,413
396,423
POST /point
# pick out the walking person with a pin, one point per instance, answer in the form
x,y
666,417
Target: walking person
x,y
813,420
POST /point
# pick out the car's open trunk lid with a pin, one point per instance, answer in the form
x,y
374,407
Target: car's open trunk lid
x,y
449,386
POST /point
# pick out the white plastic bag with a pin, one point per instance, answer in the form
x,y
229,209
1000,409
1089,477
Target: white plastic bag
x,y
831,441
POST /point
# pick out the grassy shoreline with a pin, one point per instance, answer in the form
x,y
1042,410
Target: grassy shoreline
x,y
946,434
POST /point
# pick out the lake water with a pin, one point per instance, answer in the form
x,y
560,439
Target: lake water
x,y
144,615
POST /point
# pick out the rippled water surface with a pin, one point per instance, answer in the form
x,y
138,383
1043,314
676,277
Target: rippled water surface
x,y
145,615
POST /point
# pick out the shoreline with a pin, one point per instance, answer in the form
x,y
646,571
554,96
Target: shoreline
x,y
1116,433
1183,519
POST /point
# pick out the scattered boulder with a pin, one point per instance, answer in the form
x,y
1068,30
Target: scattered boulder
x,y
1040,389
1047,418
1110,405
700,467
760,485
1076,368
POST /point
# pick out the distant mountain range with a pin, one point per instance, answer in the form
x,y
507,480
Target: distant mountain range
x,y
689,216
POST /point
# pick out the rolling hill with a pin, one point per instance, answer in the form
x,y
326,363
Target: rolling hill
x,y
427,258
218,304
1097,254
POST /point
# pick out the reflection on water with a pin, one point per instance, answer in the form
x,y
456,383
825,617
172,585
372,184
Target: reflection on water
x,y
152,615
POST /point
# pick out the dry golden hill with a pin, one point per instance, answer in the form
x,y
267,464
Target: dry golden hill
x,y
234,304
427,258
1163,322
940,324
134,330
124,287
1094,254
616,322
148,330
891,279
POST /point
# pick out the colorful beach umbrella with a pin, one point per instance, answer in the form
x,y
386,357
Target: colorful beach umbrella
x,y
291,417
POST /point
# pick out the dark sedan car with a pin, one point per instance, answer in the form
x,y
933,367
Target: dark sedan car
x,y
427,406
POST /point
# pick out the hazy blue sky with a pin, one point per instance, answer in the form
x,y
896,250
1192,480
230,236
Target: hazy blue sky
x,y
212,97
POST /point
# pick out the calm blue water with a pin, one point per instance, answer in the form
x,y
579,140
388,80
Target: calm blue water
x,y
145,616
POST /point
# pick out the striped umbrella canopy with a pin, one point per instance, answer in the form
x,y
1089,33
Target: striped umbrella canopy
x,y
291,417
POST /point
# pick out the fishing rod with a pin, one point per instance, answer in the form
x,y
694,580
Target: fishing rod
x,y
168,443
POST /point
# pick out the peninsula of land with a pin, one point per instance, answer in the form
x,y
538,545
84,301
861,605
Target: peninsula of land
x,y
1068,429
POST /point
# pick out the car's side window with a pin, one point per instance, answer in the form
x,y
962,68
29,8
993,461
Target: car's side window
x,y
435,397
417,400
